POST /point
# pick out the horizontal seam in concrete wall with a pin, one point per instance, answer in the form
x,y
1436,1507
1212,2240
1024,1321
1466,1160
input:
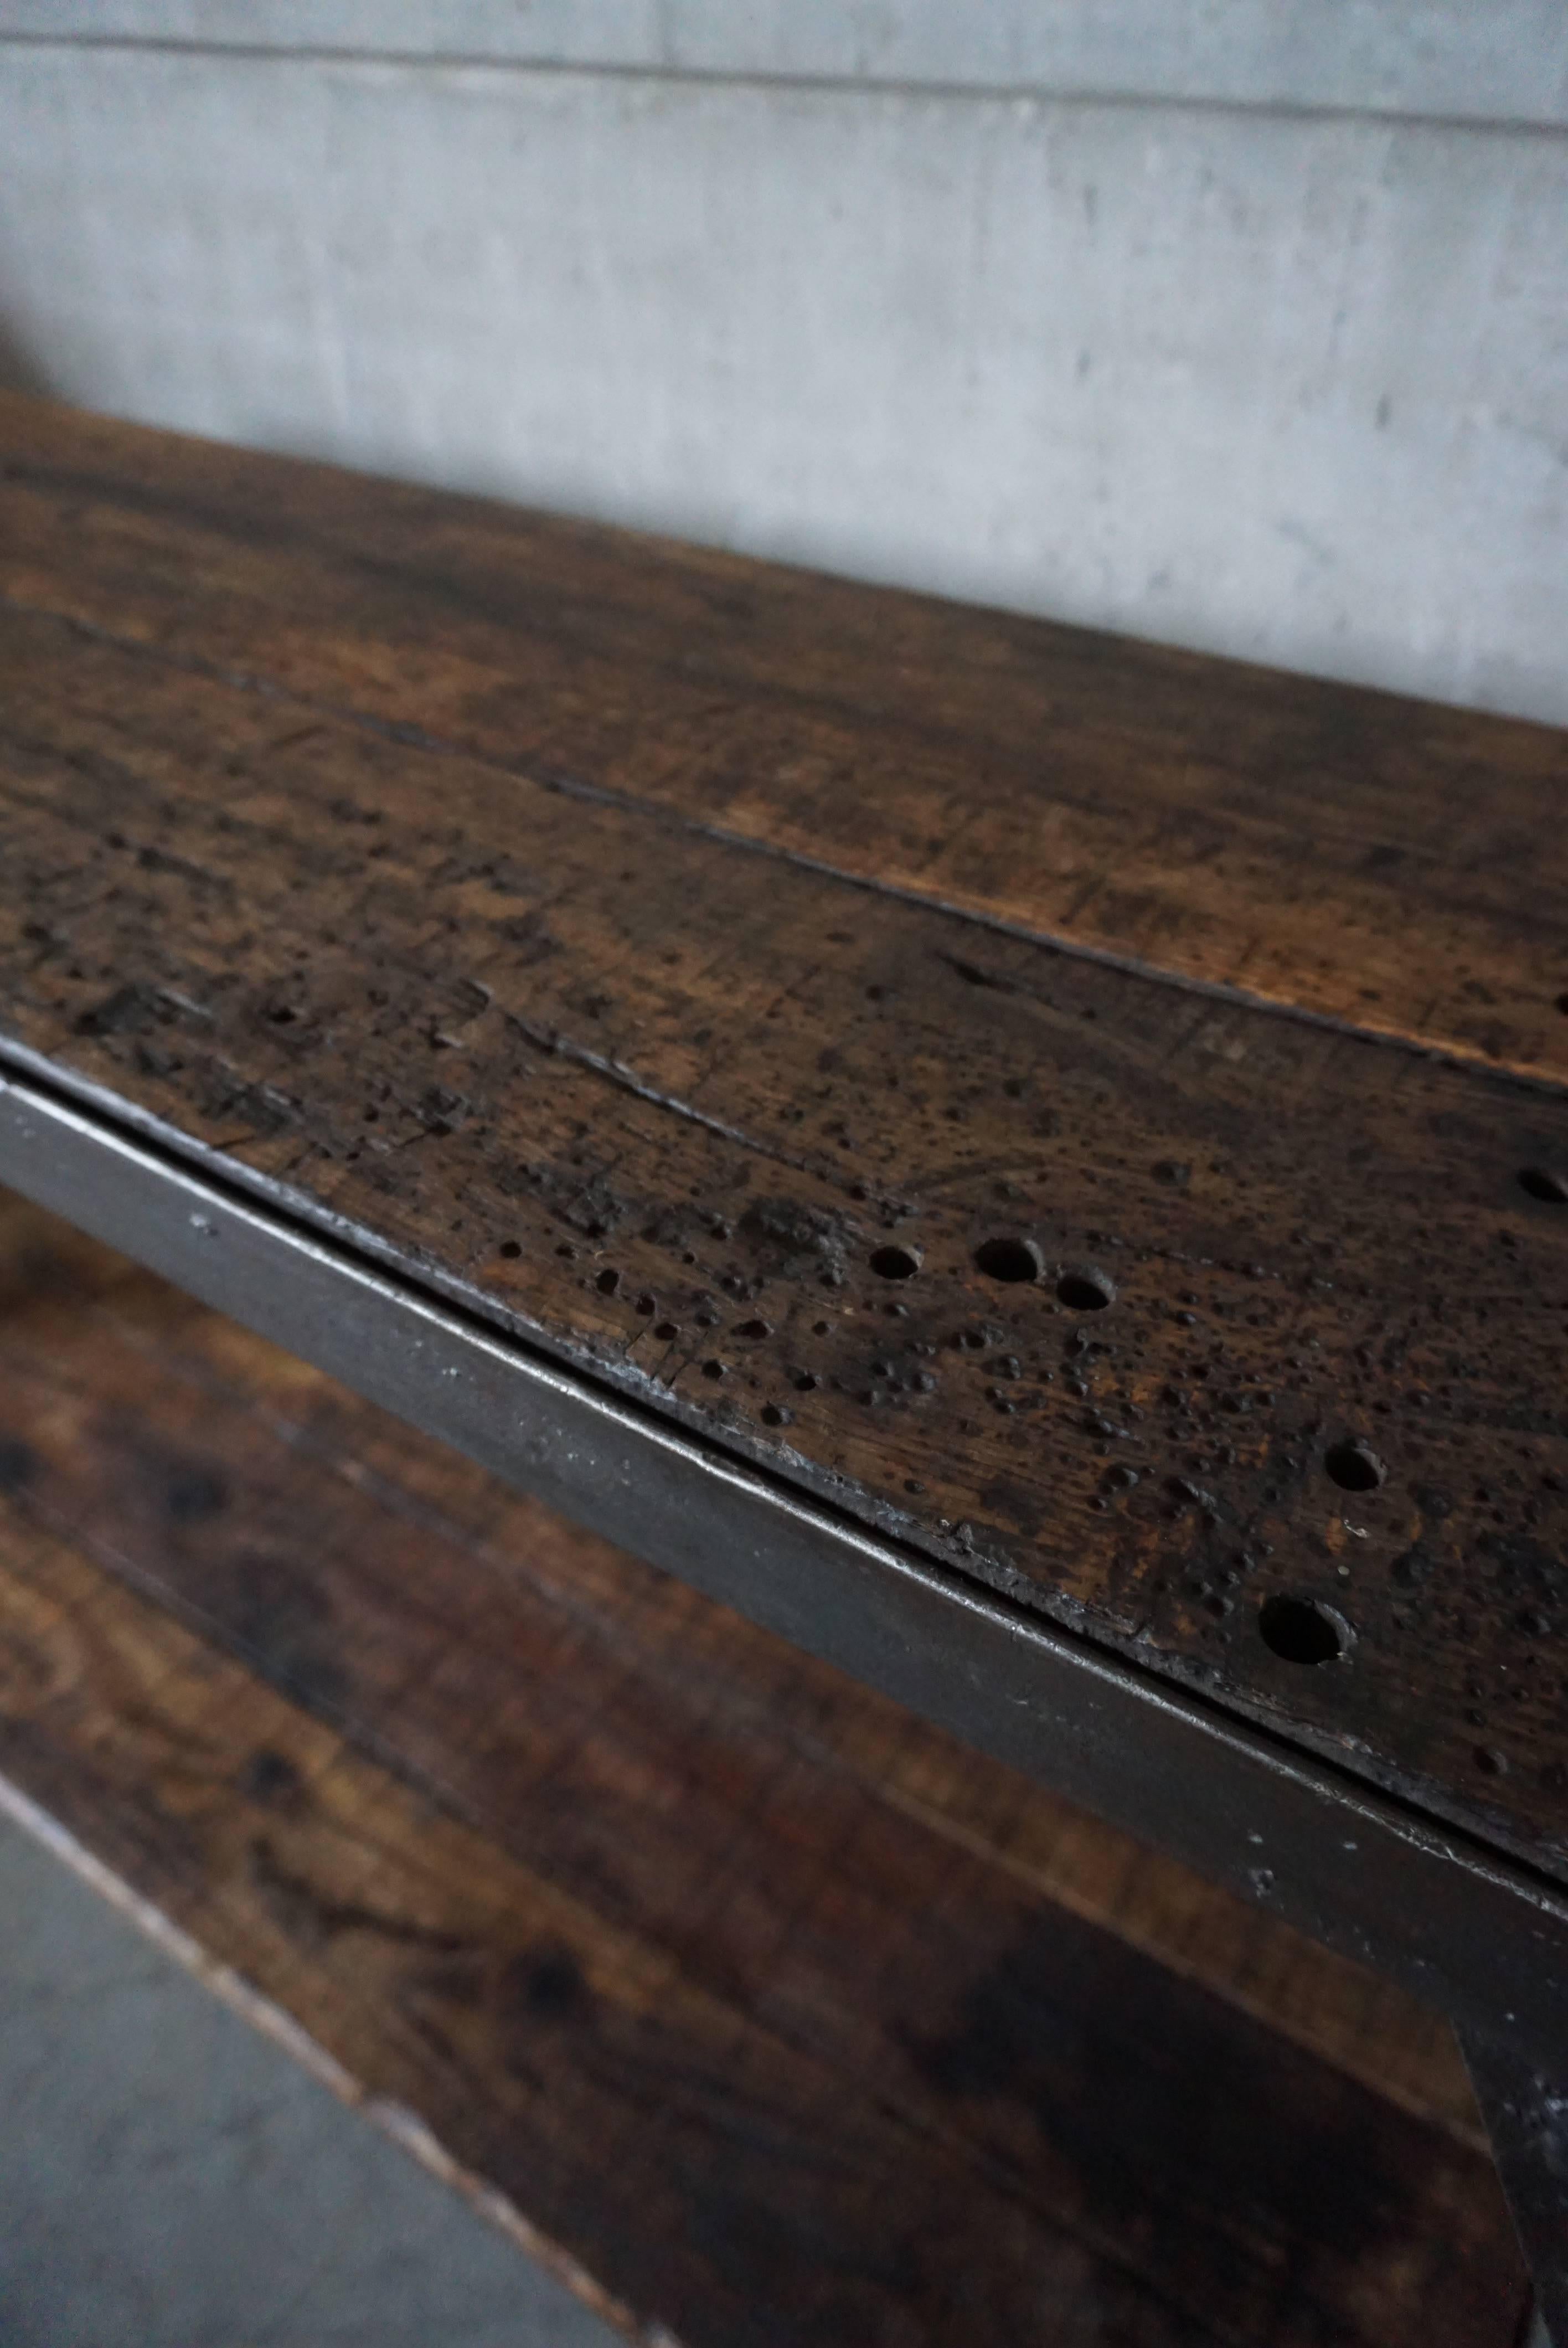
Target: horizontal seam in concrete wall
x,y
814,85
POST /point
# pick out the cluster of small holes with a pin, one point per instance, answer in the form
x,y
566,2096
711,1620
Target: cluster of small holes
x,y
1302,1632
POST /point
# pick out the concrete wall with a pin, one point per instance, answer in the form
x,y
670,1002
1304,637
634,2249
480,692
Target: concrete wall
x,y
1501,61
1238,323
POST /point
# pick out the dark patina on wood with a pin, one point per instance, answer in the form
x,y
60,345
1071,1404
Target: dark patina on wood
x,y
561,909
1351,855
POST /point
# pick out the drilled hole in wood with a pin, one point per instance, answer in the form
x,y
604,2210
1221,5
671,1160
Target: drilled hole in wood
x,y
509,1248
1010,1259
895,1262
1541,1182
1354,1466
1299,1631
1086,1290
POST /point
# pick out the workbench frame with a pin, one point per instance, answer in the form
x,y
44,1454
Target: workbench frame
x,y
1466,1930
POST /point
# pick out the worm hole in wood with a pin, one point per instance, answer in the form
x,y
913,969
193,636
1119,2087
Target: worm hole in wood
x,y
1085,1290
1299,1631
1354,1466
1010,1260
895,1262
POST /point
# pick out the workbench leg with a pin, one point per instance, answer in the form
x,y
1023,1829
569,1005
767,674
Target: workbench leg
x,y
1526,2115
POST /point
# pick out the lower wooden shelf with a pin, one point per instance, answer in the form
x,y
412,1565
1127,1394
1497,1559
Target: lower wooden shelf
x,y
769,2013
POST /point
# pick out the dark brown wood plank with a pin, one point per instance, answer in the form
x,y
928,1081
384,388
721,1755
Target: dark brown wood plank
x,y
1363,856
748,1989
666,1106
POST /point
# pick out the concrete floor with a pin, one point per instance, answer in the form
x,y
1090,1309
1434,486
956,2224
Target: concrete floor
x,y
169,2178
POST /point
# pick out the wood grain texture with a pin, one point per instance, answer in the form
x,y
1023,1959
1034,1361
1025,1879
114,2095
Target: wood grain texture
x,y
666,1104
1357,855
779,2012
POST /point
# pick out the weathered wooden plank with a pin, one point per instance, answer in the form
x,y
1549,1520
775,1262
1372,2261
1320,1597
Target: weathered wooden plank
x,y
1360,855
686,1114
841,2059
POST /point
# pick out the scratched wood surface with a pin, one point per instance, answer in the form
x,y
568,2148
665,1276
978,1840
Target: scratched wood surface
x,y
777,2012
767,1146
1364,856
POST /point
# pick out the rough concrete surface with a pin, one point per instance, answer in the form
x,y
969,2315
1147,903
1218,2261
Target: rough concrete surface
x,y
169,2178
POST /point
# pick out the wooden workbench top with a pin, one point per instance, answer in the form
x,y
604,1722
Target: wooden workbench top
x,y
1096,1112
